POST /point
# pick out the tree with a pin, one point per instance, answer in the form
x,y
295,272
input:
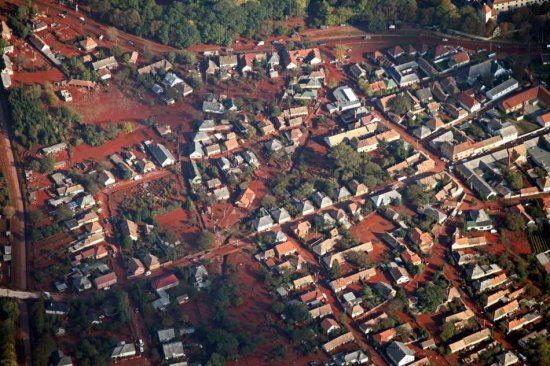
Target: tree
x,y
340,52
400,104
539,351
448,331
514,179
430,296
63,213
36,217
8,211
186,58
47,164
514,222
359,258
206,240
112,34
269,201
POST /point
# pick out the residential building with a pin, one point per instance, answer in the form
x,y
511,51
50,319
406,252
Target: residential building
x,y
507,5
470,340
400,354
502,89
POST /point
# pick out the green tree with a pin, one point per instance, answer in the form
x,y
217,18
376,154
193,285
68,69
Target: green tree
x,y
448,331
400,104
514,222
206,240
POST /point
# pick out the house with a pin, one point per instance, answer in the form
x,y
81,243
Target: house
x,y
346,99
489,283
321,311
470,340
460,59
357,71
161,154
295,58
123,350
479,220
338,341
201,277
280,215
166,335
129,229
411,257
246,198
505,310
263,223
396,52
105,280
502,89
106,178
285,249
487,13
358,189
88,44
165,282
228,62
305,207
6,31
531,96
321,200
163,65
313,298
544,260
399,354
341,283
56,308
171,80
468,102
330,325
303,281
386,198
384,336
59,359
135,267
222,194
133,58
398,274
423,239
106,63
301,230
507,5
173,350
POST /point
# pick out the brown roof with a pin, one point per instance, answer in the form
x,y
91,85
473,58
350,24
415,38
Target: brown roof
x,y
105,280
285,248
246,198
88,43
165,281
528,95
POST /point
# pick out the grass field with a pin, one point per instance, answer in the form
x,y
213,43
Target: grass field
x,y
525,126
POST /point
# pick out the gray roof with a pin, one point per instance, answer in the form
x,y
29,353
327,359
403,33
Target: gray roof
x,y
166,335
397,351
540,156
161,154
280,215
173,350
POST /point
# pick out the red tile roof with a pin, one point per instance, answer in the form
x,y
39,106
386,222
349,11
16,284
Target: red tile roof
x,y
165,281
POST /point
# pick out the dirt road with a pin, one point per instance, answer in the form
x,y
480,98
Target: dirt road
x,y
19,246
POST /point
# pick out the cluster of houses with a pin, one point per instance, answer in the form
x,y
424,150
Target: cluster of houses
x,y
226,66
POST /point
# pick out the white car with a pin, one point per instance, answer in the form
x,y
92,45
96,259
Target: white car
x,y
445,40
